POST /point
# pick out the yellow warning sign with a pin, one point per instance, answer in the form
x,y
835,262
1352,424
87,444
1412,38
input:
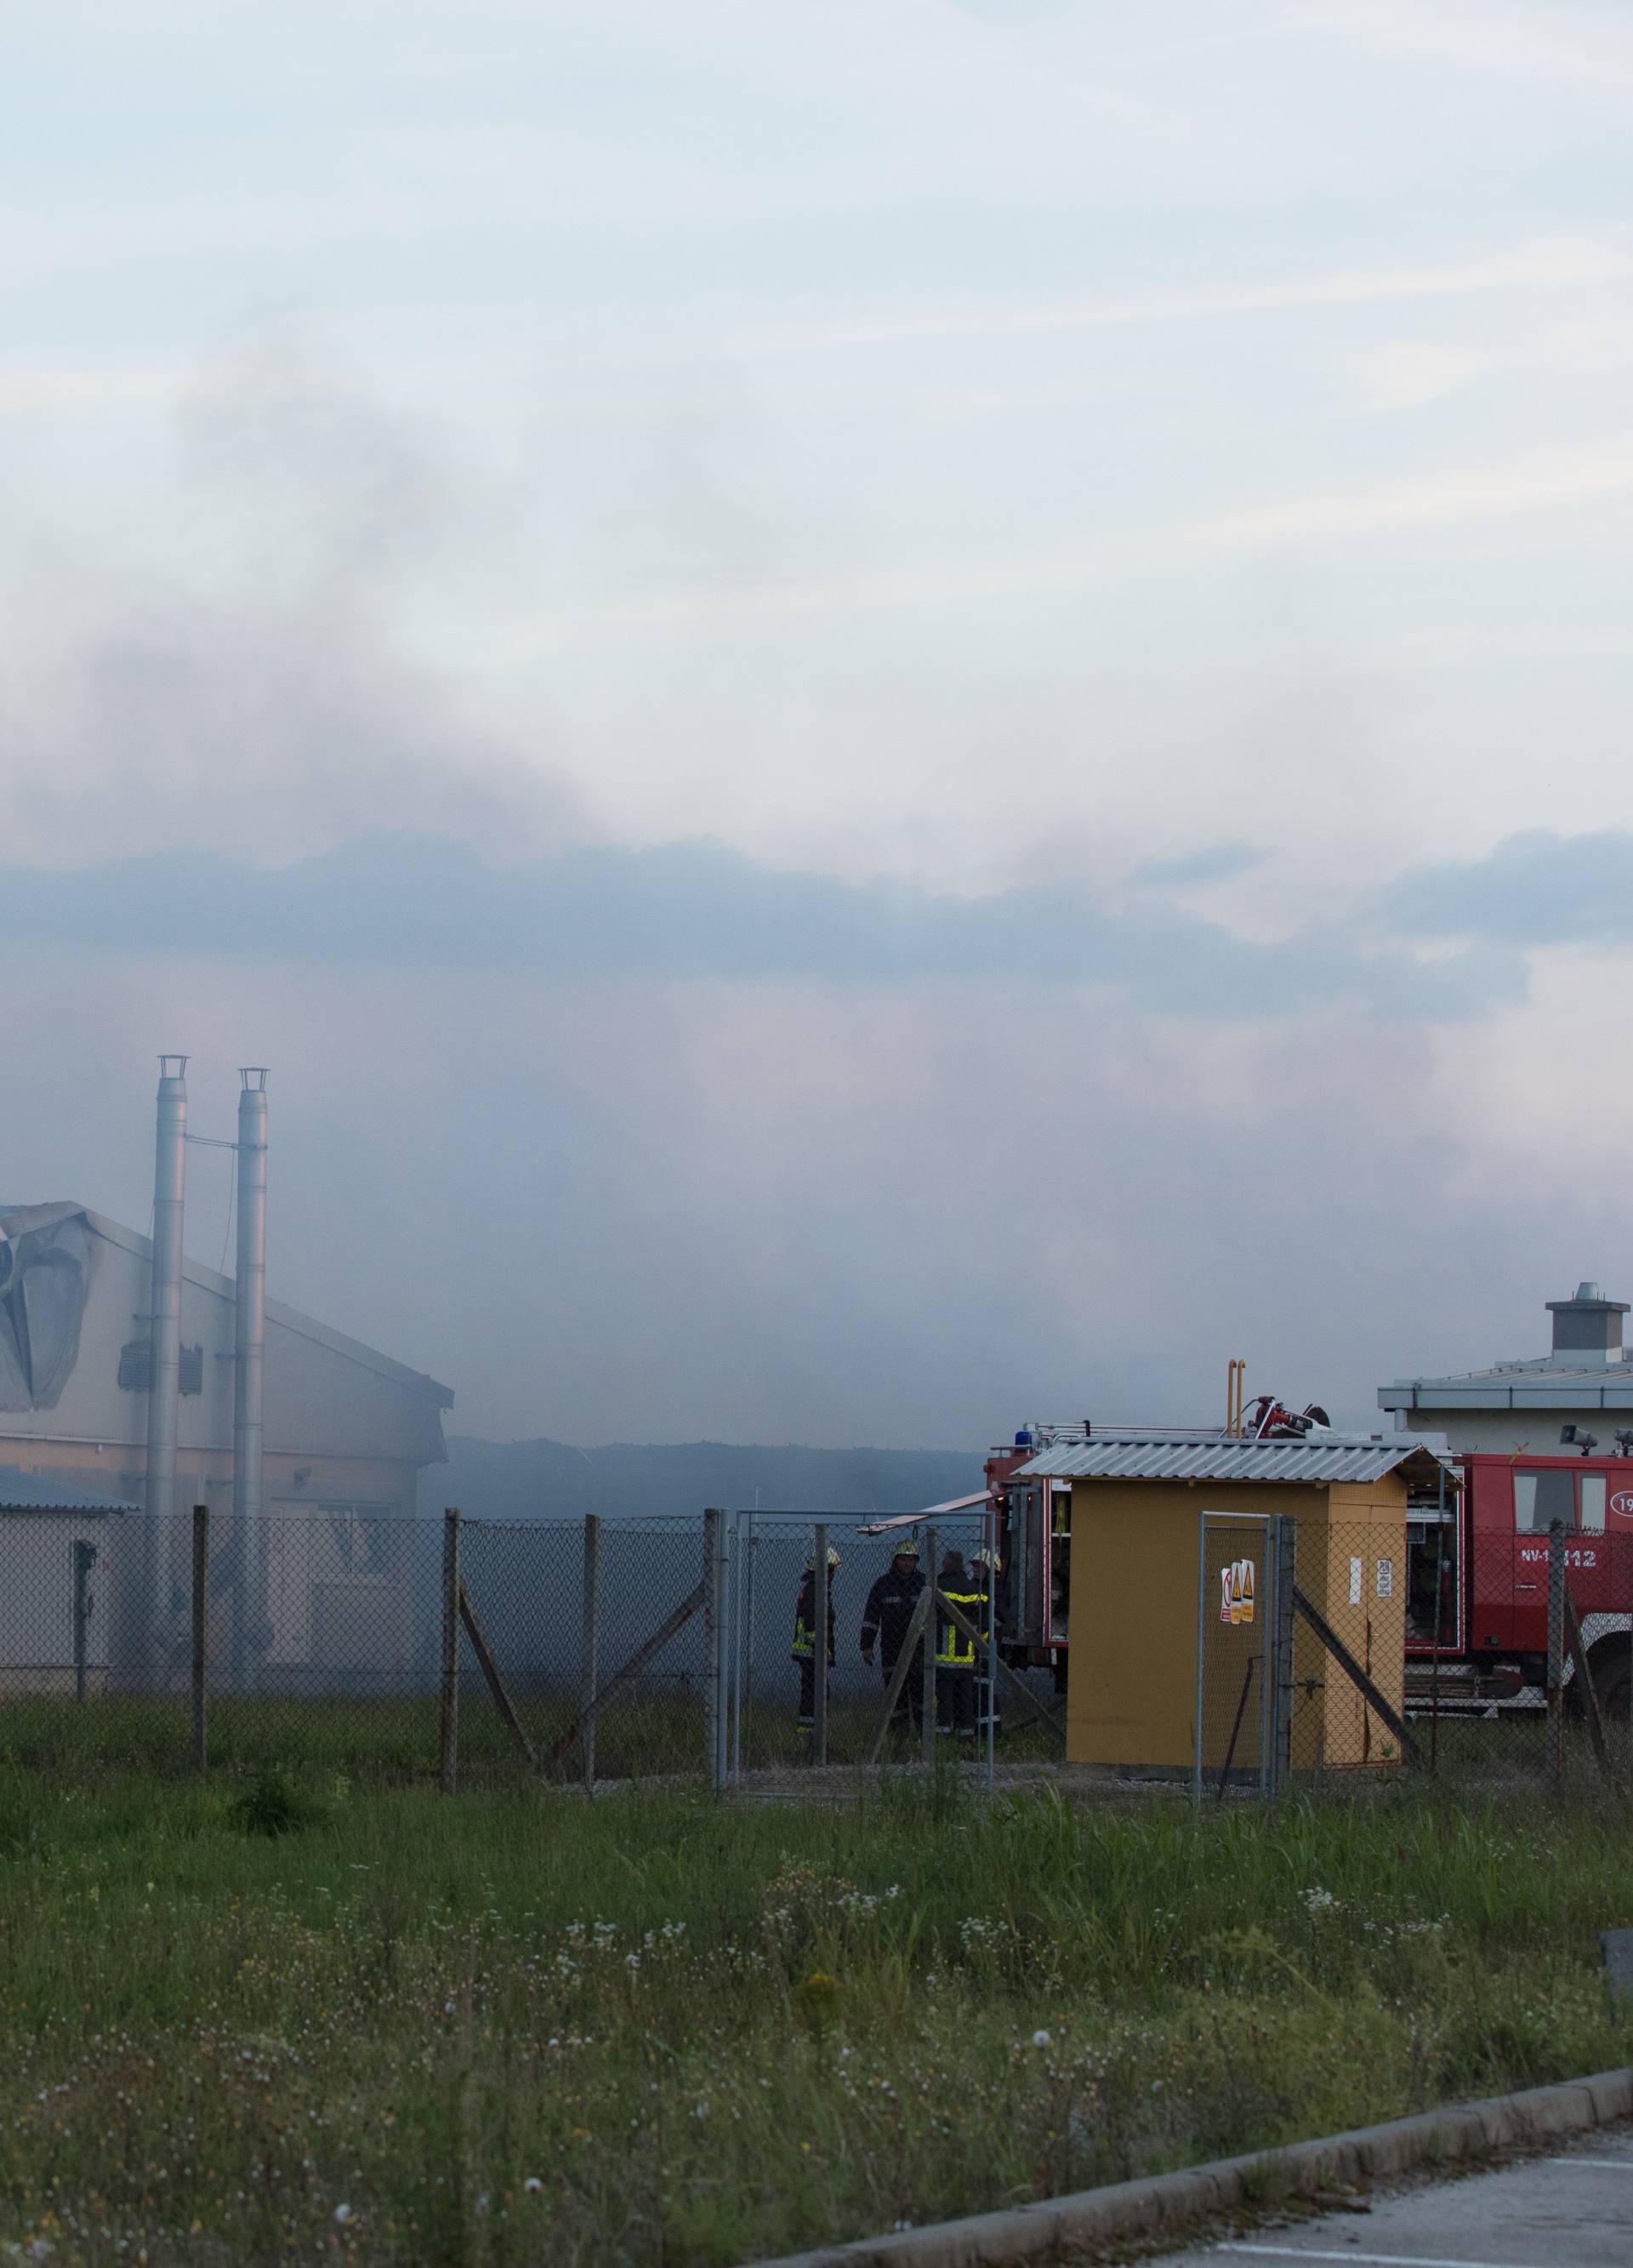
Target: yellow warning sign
x,y
1236,1592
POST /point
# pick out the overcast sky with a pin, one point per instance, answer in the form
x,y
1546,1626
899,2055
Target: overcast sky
x,y
892,715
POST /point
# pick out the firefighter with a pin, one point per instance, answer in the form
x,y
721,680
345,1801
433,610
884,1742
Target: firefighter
x,y
955,1650
804,1633
985,1568
885,1620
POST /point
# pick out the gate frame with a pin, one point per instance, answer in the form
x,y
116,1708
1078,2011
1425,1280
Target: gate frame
x,y
1279,1531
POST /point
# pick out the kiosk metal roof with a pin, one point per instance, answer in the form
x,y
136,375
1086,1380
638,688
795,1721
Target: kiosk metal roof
x,y
1309,1460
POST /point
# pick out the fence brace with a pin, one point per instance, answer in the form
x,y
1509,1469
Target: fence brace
x,y
1358,1678
1585,1687
489,1668
1011,1684
695,1600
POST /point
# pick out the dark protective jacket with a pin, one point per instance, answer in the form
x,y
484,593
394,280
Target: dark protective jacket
x,y
804,1618
888,1611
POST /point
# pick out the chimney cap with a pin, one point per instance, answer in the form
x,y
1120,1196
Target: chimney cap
x,y
1587,1295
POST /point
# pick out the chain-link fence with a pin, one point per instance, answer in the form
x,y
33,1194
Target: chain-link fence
x,y
585,1652
582,1652
1331,1649
899,1682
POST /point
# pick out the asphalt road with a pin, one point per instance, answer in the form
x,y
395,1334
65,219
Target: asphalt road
x,y
1572,2209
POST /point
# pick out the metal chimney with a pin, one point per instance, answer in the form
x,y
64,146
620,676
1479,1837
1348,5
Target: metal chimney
x,y
249,1345
169,1160
151,1599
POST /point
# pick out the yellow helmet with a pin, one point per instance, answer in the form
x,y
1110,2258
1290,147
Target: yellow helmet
x,y
833,1559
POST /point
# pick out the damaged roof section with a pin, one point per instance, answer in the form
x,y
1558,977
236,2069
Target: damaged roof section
x,y
47,1253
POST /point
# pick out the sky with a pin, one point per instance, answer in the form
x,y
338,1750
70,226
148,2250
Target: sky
x,y
891,716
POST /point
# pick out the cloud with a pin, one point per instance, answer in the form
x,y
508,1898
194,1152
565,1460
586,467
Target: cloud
x,y
689,911
1219,862
1584,50
1534,890
1576,261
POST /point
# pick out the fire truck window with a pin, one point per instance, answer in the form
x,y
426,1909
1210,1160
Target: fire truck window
x,y
1591,1488
1541,1498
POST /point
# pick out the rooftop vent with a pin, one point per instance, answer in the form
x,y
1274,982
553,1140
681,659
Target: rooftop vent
x,y
1587,1330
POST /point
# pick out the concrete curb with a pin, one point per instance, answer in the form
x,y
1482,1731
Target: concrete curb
x,y
1060,2229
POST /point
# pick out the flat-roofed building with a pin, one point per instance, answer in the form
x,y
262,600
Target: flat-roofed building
x,y
1586,1380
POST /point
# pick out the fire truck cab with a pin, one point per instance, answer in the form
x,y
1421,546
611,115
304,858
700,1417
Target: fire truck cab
x,y
1485,1564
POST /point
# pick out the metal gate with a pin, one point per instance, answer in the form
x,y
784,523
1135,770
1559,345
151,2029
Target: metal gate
x,y
1244,1652
778,1728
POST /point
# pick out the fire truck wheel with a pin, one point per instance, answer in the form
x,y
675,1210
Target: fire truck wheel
x,y
1612,1680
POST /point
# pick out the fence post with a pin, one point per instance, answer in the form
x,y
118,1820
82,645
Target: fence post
x,y
448,1746
819,1689
713,1713
723,1642
1282,1724
1202,1638
927,1731
589,1655
201,1600
85,1560
745,1660
1555,1648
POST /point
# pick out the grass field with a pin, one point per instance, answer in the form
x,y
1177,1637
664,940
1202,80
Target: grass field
x,y
265,2018
392,1740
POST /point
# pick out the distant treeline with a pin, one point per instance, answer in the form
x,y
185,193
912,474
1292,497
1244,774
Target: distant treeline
x,y
552,1480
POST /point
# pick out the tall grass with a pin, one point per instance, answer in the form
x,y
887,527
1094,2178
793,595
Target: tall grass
x,y
517,2027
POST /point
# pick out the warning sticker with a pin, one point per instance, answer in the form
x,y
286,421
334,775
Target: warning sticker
x,y
1236,1592
1385,1579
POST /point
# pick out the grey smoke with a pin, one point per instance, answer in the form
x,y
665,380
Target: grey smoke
x,y
701,910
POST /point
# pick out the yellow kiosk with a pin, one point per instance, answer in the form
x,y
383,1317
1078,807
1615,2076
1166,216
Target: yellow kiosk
x,y
1186,1652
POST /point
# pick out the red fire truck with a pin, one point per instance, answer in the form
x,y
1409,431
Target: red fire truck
x,y
1034,1579
1477,1578
1476,1567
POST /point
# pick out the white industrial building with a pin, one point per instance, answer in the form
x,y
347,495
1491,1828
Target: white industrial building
x,y
343,1434
1586,1380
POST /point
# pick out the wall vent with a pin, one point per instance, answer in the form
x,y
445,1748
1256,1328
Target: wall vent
x,y
136,1367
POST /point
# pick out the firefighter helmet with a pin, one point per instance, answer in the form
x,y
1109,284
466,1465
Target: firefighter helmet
x,y
984,1556
907,1548
832,1559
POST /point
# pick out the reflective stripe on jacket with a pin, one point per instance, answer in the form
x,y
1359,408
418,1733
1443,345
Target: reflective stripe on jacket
x,y
953,1649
